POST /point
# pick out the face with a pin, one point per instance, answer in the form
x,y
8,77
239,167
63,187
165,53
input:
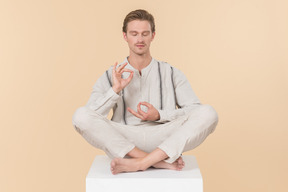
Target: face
x,y
139,36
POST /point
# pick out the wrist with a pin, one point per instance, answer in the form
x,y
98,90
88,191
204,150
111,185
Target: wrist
x,y
116,89
158,116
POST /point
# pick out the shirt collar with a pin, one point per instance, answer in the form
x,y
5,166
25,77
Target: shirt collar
x,y
144,71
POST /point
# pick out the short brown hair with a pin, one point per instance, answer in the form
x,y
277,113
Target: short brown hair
x,y
141,15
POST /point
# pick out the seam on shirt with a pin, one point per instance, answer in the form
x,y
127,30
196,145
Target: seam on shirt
x,y
108,78
161,102
172,74
124,106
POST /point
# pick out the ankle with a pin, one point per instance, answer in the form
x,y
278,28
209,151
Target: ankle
x,y
142,165
136,153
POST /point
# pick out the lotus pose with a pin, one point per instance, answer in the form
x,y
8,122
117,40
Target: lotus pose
x,y
156,114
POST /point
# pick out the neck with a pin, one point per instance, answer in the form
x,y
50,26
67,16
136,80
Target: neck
x,y
139,61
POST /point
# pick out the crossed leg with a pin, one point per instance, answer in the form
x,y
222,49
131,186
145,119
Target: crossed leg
x,y
177,165
192,133
143,161
89,124
97,130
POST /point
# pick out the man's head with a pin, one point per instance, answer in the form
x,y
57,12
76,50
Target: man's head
x,y
139,31
141,15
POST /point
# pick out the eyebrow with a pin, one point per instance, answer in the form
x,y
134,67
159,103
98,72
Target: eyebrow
x,y
137,31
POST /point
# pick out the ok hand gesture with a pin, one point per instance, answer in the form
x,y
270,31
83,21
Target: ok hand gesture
x,y
118,82
151,115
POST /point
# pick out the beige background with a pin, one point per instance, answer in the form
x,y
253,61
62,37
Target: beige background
x,y
234,53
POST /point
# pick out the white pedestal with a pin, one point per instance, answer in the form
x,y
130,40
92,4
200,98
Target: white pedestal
x,y
100,179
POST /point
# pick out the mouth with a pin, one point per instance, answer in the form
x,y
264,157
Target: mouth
x,y
140,45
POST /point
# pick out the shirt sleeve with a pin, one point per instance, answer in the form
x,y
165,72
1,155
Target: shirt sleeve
x,y
184,96
103,98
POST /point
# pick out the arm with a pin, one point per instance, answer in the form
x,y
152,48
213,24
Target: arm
x,y
103,96
184,96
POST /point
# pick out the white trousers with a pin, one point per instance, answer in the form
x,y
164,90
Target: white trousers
x,y
174,137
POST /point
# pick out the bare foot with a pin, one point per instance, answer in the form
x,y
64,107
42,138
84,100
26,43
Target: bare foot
x,y
180,162
176,165
119,165
165,165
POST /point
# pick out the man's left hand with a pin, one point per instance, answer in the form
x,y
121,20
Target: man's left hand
x,y
152,113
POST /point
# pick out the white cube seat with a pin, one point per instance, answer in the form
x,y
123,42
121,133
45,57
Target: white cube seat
x,y
100,179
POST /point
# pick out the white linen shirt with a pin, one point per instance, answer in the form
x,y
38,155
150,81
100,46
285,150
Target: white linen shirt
x,y
173,89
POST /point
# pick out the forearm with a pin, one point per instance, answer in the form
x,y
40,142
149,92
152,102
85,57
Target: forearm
x,y
103,103
169,115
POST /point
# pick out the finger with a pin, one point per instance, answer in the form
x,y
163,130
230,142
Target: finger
x,y
127,70
146,104
140,110
121,67
134,113
114,67
129,78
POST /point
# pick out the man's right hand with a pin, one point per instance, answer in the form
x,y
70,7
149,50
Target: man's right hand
x,y
118,82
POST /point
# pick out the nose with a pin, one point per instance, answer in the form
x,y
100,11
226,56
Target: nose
x,y
140,38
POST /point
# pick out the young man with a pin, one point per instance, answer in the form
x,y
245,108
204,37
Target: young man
x,y
156,115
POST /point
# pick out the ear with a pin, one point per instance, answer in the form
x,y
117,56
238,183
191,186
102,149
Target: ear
x,y
153,35
125,36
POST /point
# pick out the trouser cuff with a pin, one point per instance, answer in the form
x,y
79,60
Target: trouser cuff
x,y
172,157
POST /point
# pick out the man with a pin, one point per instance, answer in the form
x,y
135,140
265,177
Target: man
x,y
156,115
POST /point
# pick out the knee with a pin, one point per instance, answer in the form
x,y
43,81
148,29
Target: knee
x,y
79,117
210,114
